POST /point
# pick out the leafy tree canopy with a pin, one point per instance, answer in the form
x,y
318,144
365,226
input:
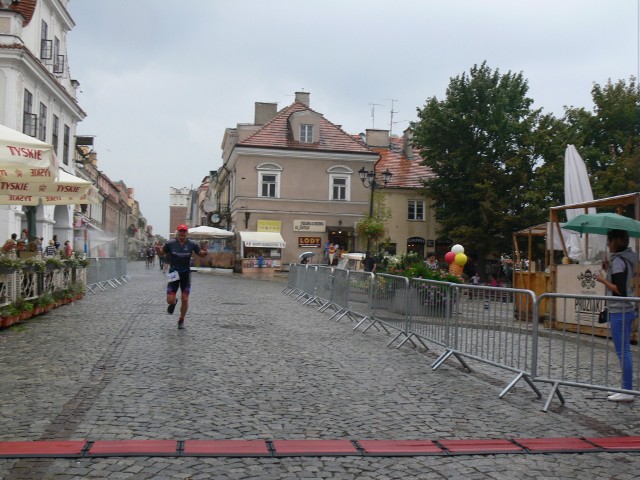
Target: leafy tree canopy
x,y
480,141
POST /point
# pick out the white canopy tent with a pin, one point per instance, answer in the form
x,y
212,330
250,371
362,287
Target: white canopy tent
x,y
204,232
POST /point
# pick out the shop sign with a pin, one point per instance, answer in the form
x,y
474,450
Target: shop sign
x,y
416,240
309,242
269,226
309,226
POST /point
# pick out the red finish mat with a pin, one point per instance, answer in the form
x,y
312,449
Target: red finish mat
x,y
283,448
617,444
399,447
226,448
478,447
124,448
556,445
71,448
314,447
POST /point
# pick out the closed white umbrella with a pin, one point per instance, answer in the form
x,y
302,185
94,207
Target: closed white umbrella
x,y
577,189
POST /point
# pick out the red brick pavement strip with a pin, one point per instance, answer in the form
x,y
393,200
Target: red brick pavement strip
x,y
307,448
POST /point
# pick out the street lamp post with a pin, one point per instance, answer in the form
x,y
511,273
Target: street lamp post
x,y
369,180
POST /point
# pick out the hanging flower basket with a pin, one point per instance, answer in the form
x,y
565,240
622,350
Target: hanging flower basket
x,y
9,265
53,264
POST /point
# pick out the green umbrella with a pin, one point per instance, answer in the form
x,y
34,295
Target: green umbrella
x,y
601,223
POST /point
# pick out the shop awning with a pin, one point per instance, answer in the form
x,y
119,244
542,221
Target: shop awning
x,y
67,189
262,239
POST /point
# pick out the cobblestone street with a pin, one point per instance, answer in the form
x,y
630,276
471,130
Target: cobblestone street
x,y
253,363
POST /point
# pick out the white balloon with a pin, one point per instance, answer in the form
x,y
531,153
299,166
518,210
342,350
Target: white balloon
x,y
457,248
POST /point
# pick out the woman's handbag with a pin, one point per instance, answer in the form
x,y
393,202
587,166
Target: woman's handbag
x,y
603,316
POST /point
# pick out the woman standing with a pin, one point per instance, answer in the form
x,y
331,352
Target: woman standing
x,y
617,282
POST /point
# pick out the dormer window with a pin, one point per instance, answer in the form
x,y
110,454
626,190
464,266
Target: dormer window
x,y
305,126
306,133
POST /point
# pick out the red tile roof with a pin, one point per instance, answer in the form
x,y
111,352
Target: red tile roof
x,y
406,172
26,8
277,134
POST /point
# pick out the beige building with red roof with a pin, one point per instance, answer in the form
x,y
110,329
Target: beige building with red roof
x,y
412,227
290,184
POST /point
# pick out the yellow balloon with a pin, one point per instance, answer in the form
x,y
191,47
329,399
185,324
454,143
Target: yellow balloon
x,y
461,259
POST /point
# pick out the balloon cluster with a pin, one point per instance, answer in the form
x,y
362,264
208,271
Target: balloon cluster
x,y
456,259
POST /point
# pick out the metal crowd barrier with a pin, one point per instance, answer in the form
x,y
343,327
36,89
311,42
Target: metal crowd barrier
x,y
387,295
575,353
352,295
291,279
492,325
104,272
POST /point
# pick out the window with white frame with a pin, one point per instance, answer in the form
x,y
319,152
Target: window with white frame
x,y
306,133
269,180
415,210
339,188
340,183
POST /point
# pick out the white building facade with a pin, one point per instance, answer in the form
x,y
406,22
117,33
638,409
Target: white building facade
x,y
38,98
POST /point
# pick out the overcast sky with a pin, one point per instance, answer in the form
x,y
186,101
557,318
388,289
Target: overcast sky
x,y
160,80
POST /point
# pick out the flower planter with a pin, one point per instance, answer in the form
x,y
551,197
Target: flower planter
x,y
8,321
4,270
26,315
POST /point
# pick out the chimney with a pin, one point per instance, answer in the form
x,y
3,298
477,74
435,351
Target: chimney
x,y
303,97
377,138
407,147
265,112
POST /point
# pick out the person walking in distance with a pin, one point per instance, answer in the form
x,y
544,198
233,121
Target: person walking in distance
x,y
617,282
178,253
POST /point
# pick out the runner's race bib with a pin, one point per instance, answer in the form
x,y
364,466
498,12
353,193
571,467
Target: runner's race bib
x,y
173,276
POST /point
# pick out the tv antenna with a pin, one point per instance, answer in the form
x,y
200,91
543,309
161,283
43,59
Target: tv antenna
x,y
391,122
373,114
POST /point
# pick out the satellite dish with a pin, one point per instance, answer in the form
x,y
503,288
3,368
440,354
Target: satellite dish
x,y
215,218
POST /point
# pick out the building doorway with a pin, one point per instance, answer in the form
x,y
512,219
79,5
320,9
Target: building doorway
x,y
416,245
343,237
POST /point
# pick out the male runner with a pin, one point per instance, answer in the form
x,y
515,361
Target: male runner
x,y
178,254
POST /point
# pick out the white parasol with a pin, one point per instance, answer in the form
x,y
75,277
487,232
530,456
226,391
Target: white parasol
x,y
67,189
25,158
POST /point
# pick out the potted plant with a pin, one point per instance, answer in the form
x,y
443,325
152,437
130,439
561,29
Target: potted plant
x,y
25,308
77,290
9,265
9,315
47,301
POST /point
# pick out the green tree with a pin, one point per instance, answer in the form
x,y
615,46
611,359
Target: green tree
x,y
608,139
480,143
